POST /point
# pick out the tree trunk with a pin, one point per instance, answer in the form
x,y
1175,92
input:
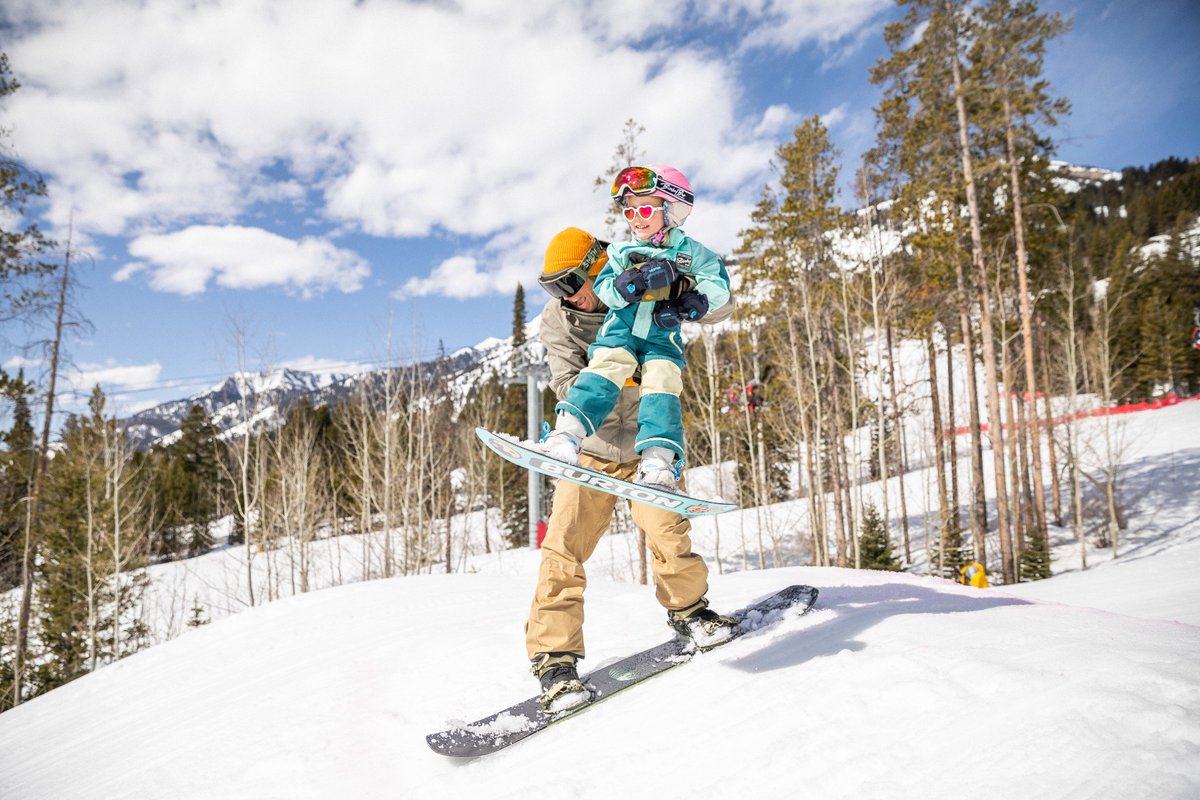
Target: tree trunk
x,y
1031,387
952,438
902,449
1055,487
939,452
1008,566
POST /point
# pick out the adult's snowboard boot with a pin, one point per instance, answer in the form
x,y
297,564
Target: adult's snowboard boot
x,y
701,624
561,687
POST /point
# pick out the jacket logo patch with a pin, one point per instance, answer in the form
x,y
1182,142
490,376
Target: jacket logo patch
x,y
684,261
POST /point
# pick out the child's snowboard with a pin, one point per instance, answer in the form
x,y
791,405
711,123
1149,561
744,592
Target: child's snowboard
x,y
524,456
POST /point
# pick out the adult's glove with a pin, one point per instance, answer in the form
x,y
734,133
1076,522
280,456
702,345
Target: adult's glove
x,y
688,307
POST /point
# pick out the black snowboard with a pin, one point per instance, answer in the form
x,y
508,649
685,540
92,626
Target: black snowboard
x,y
525,719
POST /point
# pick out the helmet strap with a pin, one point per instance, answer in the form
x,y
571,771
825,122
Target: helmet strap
x,y
658,238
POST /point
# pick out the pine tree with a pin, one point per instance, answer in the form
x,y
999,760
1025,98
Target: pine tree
x,y
64,567
16,474
1035,558
196,454
23,246
187,487
514,492
874,543
786,267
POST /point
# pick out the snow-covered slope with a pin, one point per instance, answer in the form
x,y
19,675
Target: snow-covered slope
x,y
895,686
1084,685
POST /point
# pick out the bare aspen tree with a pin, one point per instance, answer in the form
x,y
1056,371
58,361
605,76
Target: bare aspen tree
x,y
1071,361
298,492
244,469
901,444
702,417
939,449
1107,296
124,533
852,343
1052,453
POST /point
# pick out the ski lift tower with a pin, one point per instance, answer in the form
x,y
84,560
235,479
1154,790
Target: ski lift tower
x,y
535,374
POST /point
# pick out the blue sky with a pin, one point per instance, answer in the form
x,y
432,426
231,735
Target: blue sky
x,y
348,182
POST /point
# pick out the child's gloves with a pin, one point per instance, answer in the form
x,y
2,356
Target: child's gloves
x,y
688,307
657,273
631,285
660,273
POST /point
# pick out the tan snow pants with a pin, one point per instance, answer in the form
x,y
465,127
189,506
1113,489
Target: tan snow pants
x,y
579,518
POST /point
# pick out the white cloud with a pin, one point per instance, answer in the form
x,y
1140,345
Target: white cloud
x,y
792,23
141,376
777,120
183,262
835,116
21,362
458,277
474,118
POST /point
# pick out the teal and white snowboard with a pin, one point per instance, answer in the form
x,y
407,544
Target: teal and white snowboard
x,y
524,456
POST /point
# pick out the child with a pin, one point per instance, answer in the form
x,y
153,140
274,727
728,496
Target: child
x,y
652,282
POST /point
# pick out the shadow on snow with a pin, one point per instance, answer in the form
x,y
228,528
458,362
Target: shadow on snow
x,y
855,609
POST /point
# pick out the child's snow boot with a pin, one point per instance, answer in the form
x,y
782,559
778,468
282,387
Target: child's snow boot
x,y
561,687
565,441
701,624
658,469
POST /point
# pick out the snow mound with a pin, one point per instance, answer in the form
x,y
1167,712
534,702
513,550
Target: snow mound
x,y
894,686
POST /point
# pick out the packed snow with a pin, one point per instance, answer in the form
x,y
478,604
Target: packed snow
x,y
896,685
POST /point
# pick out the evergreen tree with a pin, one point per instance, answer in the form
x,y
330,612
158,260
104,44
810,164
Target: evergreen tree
x,y
518,325
196,453
514,493
90,576
874,543
23,246
187,483
790,279
64,568
16,473
1035,558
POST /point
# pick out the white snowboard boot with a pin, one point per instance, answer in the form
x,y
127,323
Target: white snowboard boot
x,y
657,469
565,441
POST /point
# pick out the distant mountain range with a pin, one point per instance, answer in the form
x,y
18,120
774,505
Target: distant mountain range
x,y
266,397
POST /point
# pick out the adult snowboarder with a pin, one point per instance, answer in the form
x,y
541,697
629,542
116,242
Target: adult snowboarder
x,y
580,516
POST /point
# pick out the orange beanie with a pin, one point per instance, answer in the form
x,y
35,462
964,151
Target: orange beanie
x,y
570,248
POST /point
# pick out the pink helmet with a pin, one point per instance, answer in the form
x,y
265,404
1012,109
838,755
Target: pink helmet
x,y
658,180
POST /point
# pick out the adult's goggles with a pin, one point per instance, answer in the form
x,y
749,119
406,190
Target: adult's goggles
x,y
568,282
643,180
